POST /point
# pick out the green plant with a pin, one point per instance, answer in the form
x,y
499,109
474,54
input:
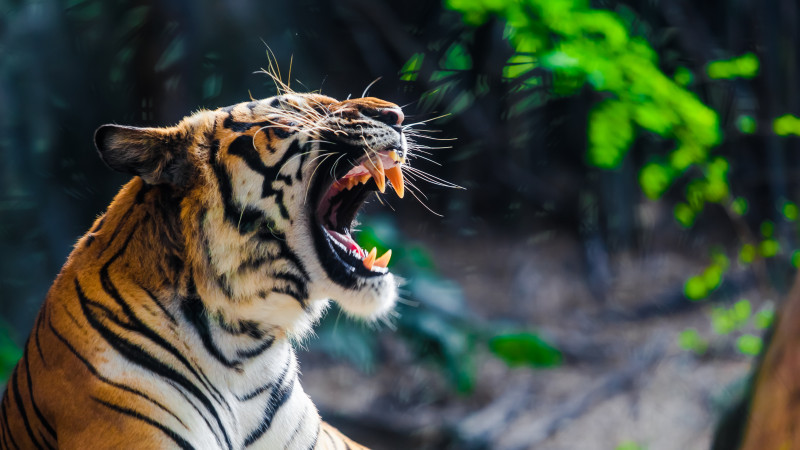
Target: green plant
x,y
10,352
432,318
574,45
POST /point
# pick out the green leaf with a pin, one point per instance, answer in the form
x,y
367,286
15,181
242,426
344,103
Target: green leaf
x,y
529,349
610,134
790,211
767,228
745,66
747,254
685,215
722,322
749,344
655,179
769,248
739,206
683,76
630,445
410,69
796,258
695,288
746,124
691,340
741,311
764,318
786,125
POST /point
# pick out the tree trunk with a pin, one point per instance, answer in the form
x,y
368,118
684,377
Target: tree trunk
x,y
774,416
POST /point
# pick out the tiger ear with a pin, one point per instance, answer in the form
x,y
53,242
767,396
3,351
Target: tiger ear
x,y
158,155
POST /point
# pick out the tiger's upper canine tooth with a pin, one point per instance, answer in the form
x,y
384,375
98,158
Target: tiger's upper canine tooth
x,y
375,167
393,155
395,176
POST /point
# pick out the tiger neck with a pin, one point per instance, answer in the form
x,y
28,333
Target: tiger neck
x,y
141,240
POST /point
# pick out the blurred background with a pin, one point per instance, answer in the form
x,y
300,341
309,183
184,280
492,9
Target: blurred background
x,y
627,228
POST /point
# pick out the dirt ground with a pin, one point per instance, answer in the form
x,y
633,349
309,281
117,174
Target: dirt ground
x,y
624,380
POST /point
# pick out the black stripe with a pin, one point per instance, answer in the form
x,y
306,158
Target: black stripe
x,y
296,430
256,392
142,192
288,254
243,147
248,327
182,443
3,438
195,313
142,328
330,438
241,127
159,304
195,408
6,426
261,348
244,218
99,225
280,394
120,225
49,428
105,380
316,437
14,384
38,327
300,291
141,357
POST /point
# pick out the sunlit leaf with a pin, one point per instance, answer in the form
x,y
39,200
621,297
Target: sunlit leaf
x,y
524,349
691,340
610,134
749,344
745,66
695,288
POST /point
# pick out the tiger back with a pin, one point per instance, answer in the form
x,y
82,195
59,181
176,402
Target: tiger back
x,y
171,323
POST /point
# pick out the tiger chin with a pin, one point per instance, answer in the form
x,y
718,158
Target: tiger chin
x,y
171,324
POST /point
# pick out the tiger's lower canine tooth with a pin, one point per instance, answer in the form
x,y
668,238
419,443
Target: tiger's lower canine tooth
x,y
375,166
383,261
395,176
369,261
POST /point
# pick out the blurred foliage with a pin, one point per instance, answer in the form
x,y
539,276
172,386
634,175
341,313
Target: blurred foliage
x,y
579,45
745,66
519,349
582,45
432,316
630,445
787,125
10,352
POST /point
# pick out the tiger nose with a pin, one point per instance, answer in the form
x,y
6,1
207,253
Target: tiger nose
x,y
392,116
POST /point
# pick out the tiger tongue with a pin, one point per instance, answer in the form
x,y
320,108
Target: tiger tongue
x,y
348,243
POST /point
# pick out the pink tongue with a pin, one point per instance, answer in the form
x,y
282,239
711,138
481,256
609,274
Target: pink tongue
x,y
348,242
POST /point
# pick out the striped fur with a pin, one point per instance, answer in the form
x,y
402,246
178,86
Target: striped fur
x,y
171,324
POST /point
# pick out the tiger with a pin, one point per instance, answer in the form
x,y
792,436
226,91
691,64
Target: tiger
x,y
174,321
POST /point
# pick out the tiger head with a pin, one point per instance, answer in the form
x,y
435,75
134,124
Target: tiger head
x,y
268,193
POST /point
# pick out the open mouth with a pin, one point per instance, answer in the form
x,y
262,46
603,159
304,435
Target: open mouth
x,y
335,214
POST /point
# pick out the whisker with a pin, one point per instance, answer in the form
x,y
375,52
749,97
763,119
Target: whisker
x,y
364,94
308,186
432,179
426,159
411,190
